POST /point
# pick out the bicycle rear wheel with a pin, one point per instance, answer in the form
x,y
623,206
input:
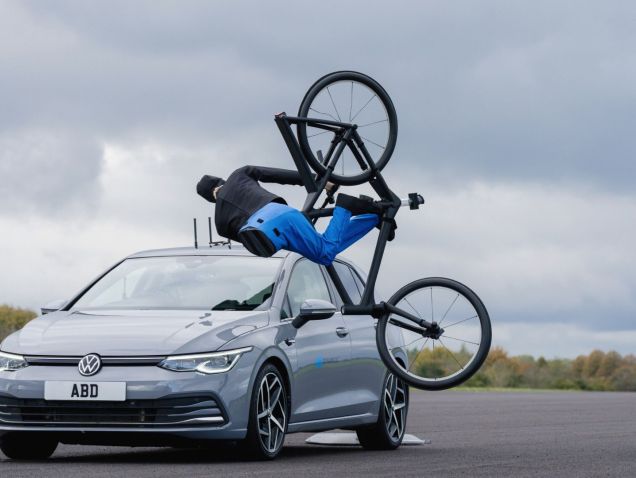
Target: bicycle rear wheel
x,y
352,98
431,363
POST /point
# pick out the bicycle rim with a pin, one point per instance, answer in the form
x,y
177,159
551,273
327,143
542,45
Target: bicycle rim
x,y
435,363
352,98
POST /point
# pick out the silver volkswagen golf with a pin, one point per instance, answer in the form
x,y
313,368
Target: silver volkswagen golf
x,y
182,346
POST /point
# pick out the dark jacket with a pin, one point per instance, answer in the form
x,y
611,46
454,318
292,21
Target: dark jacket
x,y
241,196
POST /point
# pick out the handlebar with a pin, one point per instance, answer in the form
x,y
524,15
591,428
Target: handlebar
x,y
414,201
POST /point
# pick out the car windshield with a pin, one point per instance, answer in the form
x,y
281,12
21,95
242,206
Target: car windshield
x,y
184,282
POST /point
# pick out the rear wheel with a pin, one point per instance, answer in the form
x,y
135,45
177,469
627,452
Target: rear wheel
x,y
387,433
268,415
27,446
435,361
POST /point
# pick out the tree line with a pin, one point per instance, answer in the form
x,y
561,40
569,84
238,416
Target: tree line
x,y
595,371
13,318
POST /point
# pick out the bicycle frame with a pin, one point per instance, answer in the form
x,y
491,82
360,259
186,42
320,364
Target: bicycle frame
x,y
346,134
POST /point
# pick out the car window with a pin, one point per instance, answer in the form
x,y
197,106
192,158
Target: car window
x,y
359,282
285,312
184,282
347,277
306,282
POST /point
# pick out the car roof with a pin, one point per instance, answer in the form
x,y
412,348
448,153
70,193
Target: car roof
x,y
222,250
203,250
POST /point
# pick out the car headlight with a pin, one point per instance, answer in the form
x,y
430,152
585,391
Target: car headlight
x,y
11,362
217,362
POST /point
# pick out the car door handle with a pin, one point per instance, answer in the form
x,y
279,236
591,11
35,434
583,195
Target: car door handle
x,y
342,331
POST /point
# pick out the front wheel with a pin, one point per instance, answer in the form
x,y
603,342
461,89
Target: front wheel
x,y
435,361
27,445
269,415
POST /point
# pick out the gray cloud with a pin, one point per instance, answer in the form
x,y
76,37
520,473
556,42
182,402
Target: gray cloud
x,y
481,90
48,172
515,122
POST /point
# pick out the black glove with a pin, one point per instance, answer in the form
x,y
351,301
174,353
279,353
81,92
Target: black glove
x,y
206,186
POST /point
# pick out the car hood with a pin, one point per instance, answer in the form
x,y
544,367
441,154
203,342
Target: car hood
x,y
136,332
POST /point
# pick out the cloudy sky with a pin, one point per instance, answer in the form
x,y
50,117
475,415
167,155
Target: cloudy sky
x,y
516,123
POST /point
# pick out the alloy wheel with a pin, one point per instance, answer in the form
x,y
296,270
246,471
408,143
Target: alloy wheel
x,y
271,412
395,398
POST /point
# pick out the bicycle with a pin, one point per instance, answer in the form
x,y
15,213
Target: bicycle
x,y
320,127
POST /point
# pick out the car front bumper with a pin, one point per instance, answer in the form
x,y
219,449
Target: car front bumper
x,y
159,404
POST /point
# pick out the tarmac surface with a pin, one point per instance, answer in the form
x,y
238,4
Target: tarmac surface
x,y
490,434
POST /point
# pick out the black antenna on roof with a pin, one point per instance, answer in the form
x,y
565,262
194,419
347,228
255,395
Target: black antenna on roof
x,y
196,243
210,230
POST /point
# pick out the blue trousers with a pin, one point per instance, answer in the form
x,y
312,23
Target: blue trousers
x,y
289,229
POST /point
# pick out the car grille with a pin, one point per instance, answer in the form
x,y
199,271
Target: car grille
x,y
166,412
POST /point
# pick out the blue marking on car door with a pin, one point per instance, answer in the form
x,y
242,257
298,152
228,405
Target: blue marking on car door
x,y
319,361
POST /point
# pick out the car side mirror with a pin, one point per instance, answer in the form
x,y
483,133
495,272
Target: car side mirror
x,y
53,306
313,309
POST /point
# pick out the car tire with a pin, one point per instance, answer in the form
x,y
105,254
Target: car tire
x,y
269,415
27,446
387,433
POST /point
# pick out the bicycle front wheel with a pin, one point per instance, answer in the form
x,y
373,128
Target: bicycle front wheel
x,y
353,98
435,362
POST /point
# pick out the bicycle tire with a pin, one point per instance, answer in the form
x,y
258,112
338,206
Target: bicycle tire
x,y
393,363
304,110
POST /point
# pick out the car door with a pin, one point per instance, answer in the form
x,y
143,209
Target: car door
x,y
322,376
367,369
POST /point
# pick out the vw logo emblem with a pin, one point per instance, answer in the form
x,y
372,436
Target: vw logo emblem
x,y
89,365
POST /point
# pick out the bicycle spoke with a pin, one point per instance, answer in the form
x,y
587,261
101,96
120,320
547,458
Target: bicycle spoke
x,y
449,308
432,310
418,354
452,354
318,134
373,142
418,314
460,340
365,105
351,102
334,105
407,345
321,113
375,122
460,321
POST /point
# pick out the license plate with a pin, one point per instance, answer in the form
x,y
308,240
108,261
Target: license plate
x,y
95,391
